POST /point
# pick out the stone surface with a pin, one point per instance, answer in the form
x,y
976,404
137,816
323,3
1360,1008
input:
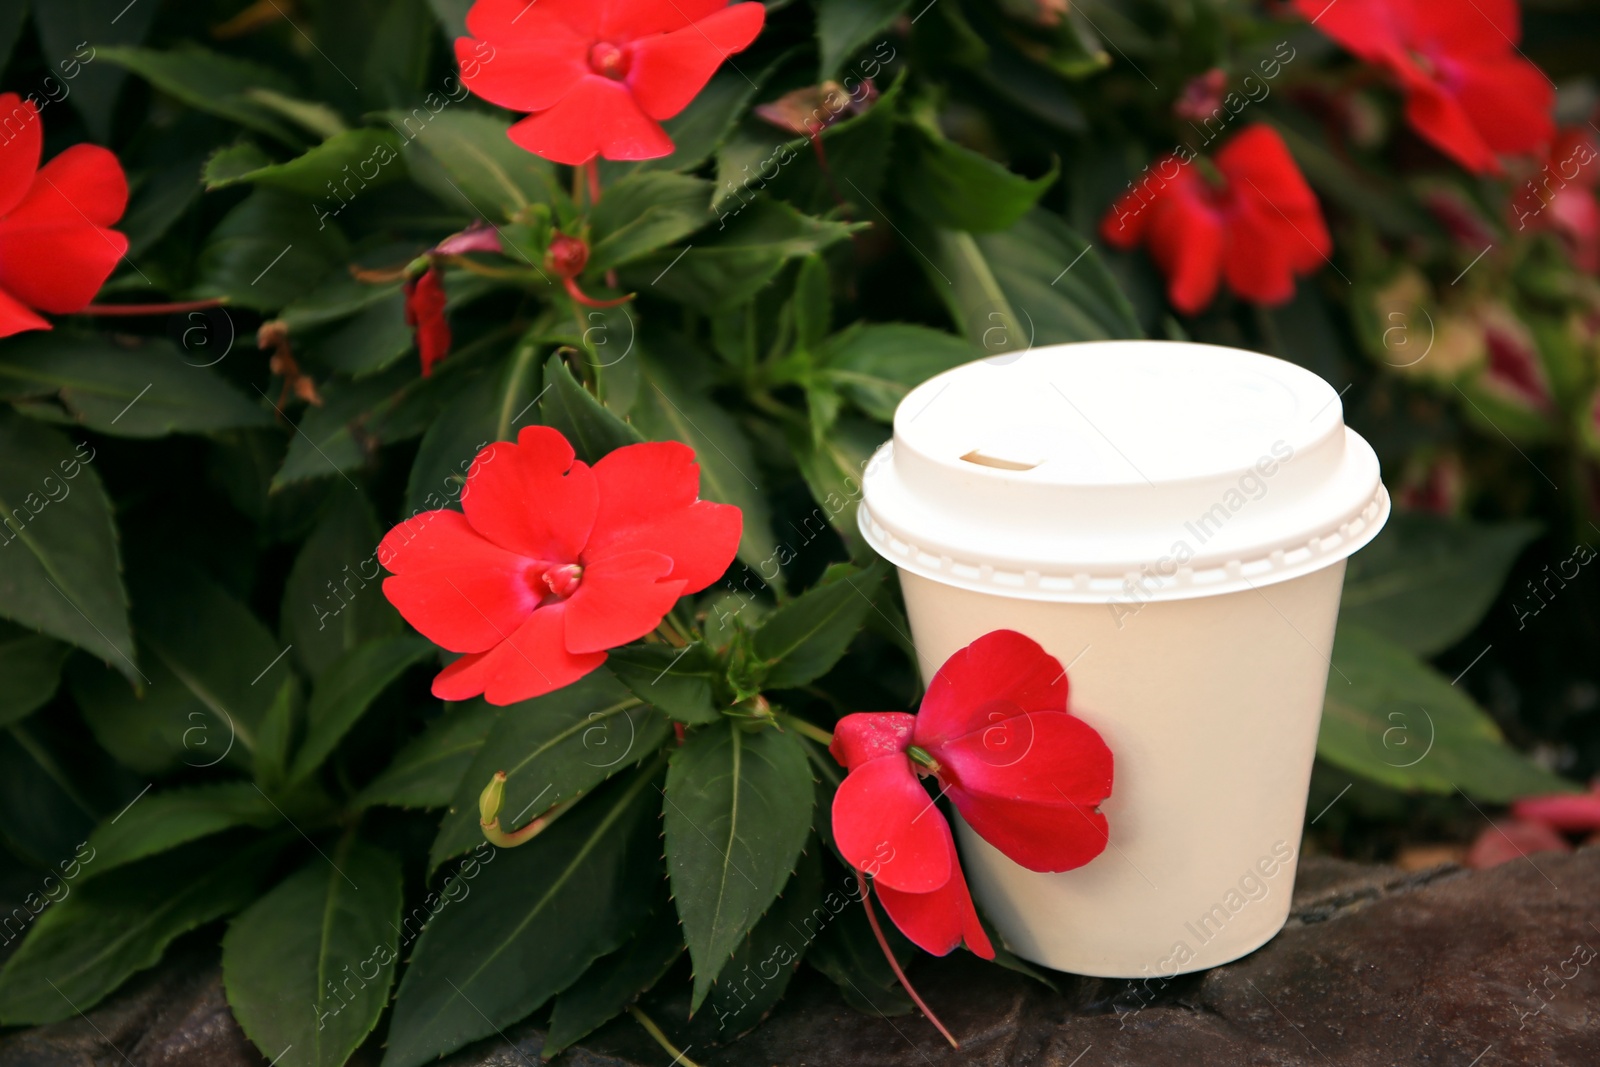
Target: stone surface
x,y
1376,967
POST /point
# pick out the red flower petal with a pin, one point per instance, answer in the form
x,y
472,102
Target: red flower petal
x,y
458,589
669,70
531,662
530,20
1258,164
627,20
1483,29
1045,757
54,250
597,117
530,75
1040,837
887,825
1372,29
531,497
1511,102
620,599
648,500
1001,666
870,735
1187,238
1513,839
15,317
1572,813
21,149
939,921
1439,119
1029,784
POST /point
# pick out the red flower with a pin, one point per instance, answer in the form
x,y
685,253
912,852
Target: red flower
x,y
1468,91
599,75
551,561
1572,813
425,303
55,249
1258,227
995,732
1560,198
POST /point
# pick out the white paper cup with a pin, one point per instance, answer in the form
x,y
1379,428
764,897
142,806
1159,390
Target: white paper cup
x,y
1171,521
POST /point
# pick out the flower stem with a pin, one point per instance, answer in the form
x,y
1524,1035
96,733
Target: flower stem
x,y
591,171
153,309
660,1038
894,964
805,729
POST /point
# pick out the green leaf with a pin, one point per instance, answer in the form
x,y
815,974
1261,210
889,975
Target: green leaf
x,y
572,409
536,917
607,988
739,259
110,928
834,469
756,978
43,813
275,738
340,296
161,729
209,82
1425,581
803,639
74,34
428,772
669,412
676,681
333,601
339,436
552,748
269,251
737,813
957,188
330,173
844,27
465,159
846,951
503,396
370,341
1037,283
162,821
30,671
877,365
645,212
149,391
60,571
1393,719
217,649
308,967
347,689
813,304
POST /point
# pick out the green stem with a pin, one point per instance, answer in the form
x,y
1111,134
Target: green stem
x,y
660,1038
805,729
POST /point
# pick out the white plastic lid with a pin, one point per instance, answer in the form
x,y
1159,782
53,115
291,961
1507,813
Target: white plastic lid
x,y
1095,472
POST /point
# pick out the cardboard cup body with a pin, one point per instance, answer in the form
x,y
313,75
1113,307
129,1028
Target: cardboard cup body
x,y
1211,708
1172,522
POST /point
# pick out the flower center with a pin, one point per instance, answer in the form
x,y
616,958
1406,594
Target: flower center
x,y
609,61
564,580
925,762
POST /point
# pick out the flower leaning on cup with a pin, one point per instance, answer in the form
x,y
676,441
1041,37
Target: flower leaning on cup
x,y
1027,775
553,565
